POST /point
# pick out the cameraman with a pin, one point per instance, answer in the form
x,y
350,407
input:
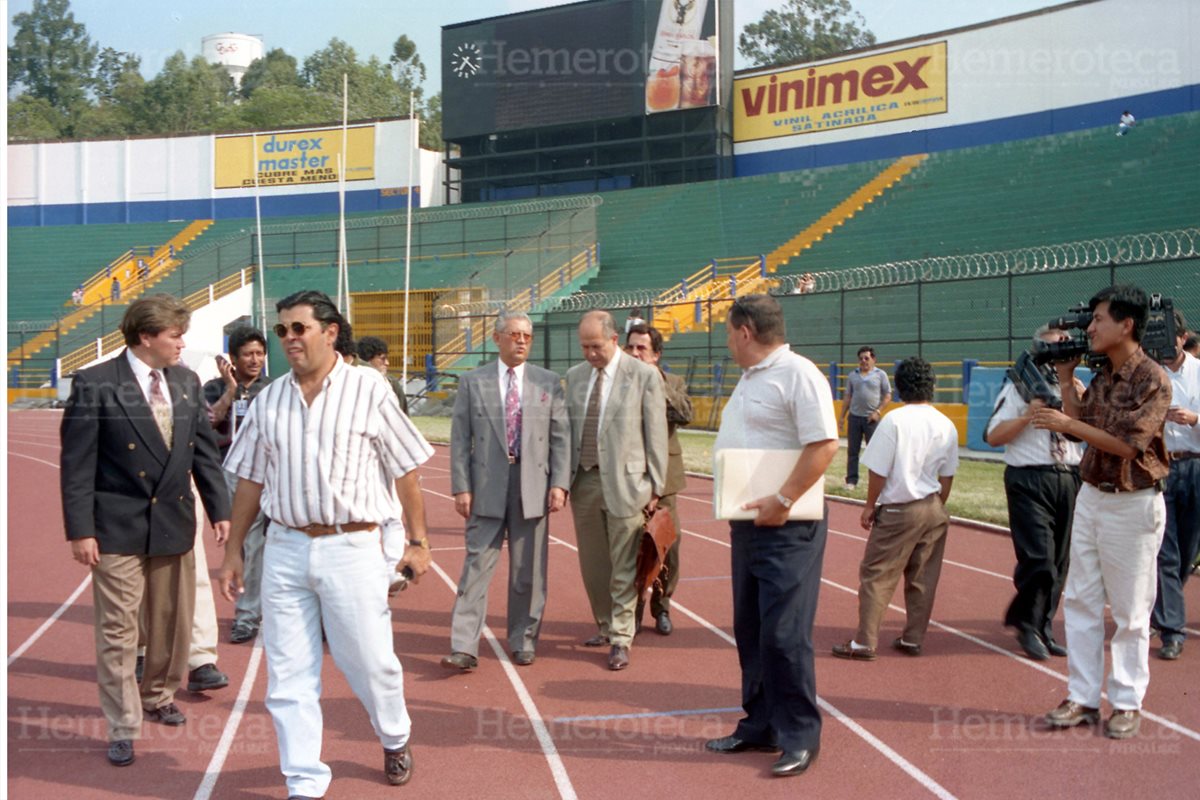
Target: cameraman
x,y
1119,514
1182,539
1041,479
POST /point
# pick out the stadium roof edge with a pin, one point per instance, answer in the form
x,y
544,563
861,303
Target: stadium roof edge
x,y
749,71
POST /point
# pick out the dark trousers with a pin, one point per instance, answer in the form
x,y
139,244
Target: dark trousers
x,y
860,429
1041,503
776,580
1180,544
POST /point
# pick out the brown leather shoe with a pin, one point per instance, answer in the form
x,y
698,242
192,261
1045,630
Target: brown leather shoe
x,y
167,715
599,640
460,661
1123,724
1069,714
847,650
618,657
398,765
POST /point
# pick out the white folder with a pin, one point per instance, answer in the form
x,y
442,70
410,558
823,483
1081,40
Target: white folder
x,y
745,475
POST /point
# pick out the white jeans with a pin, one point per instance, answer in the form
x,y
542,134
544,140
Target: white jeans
x,y
1114,551
341,580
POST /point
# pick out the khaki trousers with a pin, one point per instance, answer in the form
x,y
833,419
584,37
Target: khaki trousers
x,y
608,548
908,539
121,585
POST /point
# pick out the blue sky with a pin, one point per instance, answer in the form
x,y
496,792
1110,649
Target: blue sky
x,y
154,29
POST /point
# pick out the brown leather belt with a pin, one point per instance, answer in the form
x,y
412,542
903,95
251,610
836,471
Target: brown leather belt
x,y
317,529
1182,455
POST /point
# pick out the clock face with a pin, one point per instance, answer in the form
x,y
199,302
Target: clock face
x,y
467,60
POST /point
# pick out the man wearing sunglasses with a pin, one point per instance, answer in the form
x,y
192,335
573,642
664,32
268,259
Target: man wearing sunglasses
x,y
509,455
312,452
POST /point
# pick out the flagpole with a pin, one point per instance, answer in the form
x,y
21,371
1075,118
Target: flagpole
x,y
343,270
262,267
415,128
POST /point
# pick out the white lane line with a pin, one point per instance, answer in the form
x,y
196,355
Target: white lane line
x,y
31,458
45,626
557,768
900,761
213,771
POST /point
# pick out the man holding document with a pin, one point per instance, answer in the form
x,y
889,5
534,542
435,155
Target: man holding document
x,y
782,403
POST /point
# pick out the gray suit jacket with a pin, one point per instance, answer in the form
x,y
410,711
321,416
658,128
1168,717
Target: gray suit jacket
x,y
479,447
633,434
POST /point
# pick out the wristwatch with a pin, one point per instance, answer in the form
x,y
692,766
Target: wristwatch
x,y
786,502
422,542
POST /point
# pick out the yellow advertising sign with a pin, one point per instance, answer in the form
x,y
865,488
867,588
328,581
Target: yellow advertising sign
x,y
294,158
857,91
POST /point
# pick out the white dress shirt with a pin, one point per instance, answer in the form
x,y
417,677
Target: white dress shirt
x,y
142,372
518,372
1185,393
781,403
610,372
1031,447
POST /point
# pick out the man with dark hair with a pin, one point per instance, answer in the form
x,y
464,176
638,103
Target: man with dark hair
x,y
1192,345
229,397
1181,539
618,472
646,344
867,395
782,402
1119,515
373,351
1041,480
912,460
134,437
325,450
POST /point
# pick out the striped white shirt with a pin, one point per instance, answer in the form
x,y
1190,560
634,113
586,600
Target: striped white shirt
x,y
333,462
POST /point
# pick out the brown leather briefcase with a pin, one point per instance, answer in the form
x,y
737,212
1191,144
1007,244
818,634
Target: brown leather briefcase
x,y
657,538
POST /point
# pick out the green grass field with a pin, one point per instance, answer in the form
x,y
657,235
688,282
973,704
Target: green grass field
x,y
978,487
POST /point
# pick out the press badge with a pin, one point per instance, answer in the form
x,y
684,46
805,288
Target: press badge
x,y
240,407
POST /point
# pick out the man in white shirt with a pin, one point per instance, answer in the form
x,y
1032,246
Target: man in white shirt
x,y
782,402
1041,479
912,459
1181,541
325,451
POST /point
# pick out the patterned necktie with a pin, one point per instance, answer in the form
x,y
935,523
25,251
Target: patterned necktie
x,y
160,408
588,455
512,415
1058,447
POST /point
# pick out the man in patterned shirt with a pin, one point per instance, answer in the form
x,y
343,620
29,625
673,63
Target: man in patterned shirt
x,y
312,452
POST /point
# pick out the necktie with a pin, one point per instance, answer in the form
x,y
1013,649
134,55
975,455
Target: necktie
x,y
160,408
512,414
1058,447
588,455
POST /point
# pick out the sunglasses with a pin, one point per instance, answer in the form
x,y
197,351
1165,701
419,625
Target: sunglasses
x,y
298,328
519,336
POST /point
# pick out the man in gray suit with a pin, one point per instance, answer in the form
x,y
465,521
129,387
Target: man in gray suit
x,y
619,470
508,466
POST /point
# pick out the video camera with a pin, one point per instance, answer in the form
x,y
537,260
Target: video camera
x,y
1158,338
1032,383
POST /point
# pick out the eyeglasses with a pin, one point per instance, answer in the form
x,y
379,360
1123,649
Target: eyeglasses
x,y
298,328
519,336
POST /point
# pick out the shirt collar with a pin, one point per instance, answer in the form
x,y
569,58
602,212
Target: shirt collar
x,y
1125,373
141,370
335,374
518,370
772,358
610,369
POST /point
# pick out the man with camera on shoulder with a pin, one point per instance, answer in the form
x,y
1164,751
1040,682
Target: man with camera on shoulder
x,y
1119,513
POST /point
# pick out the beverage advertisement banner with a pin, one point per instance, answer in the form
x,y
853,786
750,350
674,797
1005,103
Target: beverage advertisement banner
x,y
294,158
842,94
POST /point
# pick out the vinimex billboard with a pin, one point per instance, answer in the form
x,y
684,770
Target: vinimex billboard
x,y
579,62
294,158
857,91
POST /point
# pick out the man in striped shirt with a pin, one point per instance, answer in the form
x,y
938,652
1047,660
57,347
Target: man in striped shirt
x,y
319,451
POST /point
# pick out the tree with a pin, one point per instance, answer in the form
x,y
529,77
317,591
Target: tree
x,y
410,71
31,118
284,106
112,66
274,70
187,97
51,56
804,30
431,125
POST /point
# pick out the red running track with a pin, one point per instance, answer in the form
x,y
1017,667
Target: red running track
x,y
961,721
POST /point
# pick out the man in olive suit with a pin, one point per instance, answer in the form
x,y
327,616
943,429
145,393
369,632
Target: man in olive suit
x,y
509,456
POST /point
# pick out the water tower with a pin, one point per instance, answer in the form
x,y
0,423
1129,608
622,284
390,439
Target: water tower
x,y
234,51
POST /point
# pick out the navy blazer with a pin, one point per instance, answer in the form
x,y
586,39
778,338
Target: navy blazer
x,y
120,483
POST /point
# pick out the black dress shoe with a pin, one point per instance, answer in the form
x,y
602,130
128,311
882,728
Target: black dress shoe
x,y
599,640
794,762
1032,644
120,752
1170,651
523,658
242,632
662,624
460,661
167,715
732,744
398,765
1055,649
618,657
206,678
908,648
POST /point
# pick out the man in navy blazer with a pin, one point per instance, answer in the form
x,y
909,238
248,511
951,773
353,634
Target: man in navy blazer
x,y
135,434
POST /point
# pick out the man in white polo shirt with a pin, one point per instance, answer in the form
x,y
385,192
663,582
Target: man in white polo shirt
x,y
912,459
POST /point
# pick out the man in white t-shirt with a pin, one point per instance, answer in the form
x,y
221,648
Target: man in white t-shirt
x,y
912,459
